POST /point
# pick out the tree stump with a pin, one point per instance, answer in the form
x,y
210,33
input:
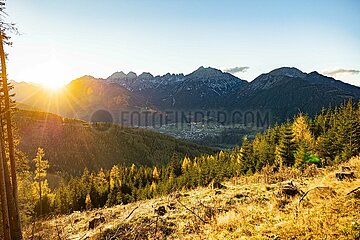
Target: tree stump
x,y
96,222
289,189
160,210
216,185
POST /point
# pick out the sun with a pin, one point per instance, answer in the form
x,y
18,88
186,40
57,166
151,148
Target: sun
x,y
52,74
53,85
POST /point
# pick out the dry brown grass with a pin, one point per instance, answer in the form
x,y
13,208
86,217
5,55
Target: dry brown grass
x,y
249,208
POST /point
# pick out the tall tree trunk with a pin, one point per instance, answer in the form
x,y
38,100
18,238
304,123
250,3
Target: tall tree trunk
x,y
17,234
4,201
8,187
40,198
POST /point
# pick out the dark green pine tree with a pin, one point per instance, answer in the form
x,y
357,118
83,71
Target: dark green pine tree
x,y
327,147
246,157
175,166
348,130
355,130
321,122
286,147
264,150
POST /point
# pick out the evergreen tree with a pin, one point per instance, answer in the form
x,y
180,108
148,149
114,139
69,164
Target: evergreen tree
x,y
41,186
286,147
246,157
99,190
63,198
264,151
348,130
174,167
302,155
115,184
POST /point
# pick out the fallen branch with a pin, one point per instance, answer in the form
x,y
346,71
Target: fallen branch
x,y
191,211
354,190
131,212
118,228
304,195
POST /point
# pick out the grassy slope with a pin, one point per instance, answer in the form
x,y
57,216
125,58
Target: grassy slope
x,y
71,145
248,208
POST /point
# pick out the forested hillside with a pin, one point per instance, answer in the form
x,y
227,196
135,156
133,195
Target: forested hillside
x,y
72,145
332,137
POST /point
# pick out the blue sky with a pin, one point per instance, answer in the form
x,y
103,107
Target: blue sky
x,y
62,40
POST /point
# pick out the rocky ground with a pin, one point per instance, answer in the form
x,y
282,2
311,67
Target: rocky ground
x,y
289,204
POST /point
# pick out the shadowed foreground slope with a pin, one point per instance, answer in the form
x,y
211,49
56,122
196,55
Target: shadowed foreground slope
x,y
250,207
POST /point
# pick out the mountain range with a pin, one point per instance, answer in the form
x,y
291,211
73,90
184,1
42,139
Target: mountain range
x,y
283,92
